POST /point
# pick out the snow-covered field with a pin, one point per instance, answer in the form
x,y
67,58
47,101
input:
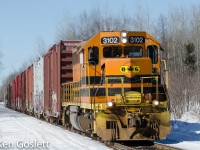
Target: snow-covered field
x,y
20,131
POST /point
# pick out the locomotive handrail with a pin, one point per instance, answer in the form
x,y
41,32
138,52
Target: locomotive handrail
x,y
166,82
166,73
106,81
70,95
142,86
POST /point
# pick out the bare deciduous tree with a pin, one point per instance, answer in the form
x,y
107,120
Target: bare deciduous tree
x,y
40,46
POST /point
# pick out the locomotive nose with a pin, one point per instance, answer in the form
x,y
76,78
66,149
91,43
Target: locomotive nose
x,y
128,67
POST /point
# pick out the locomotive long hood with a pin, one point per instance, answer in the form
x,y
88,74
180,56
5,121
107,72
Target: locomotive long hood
x,y
129,67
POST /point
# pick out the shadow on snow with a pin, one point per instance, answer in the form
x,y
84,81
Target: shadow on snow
x,y
182,131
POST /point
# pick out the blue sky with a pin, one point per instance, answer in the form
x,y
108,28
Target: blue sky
x,y
23,21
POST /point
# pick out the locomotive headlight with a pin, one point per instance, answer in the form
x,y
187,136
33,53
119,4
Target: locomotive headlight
x,y
110,104
124,40
155,102
124,37
123,34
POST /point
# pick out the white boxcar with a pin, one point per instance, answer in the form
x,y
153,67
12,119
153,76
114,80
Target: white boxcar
x,y
38,90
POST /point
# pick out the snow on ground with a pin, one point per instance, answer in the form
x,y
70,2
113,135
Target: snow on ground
x,y
20,131
185,132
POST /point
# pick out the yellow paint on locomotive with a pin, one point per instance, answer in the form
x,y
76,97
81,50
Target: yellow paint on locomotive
x,y
117,89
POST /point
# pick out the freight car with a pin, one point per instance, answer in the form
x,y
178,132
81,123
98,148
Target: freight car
x,y
57,70
36,91
8,96
29,90
110,86
38,87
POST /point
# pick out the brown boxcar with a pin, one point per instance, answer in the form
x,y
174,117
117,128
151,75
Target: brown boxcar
x,y
22,99
14,94
57,70
29,89
8,96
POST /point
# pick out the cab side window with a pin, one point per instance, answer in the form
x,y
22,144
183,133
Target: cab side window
x,y
93,55
153,53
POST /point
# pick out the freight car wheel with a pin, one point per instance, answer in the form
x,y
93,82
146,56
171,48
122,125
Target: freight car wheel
x,y
25,111
35,115
59,121
109,143
40,116
67,126
46,118
51,120
32,113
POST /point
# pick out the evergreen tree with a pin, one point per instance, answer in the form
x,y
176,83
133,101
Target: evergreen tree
x,y
190,59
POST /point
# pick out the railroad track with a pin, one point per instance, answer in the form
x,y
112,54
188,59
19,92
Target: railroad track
x,y
164,147
133,145
146,145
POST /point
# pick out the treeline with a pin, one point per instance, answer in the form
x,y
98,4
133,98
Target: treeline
x,y
179,34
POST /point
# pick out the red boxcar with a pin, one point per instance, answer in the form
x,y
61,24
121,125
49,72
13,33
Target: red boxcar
x,y
57,70
29,89
18,90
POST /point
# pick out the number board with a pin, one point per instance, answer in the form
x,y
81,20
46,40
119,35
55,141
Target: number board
x,y
136,39
110,40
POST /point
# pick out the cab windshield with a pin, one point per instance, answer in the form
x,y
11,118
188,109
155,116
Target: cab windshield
x,y
133,51
112,52
117,52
